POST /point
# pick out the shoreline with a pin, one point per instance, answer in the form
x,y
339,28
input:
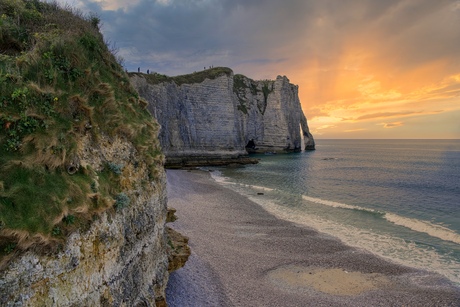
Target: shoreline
x,y
244,256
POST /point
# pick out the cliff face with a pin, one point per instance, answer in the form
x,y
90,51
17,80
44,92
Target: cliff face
x,y
82,182
197,120
271,114
217,118
120,260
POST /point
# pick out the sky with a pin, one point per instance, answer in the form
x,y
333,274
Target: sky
x,y
365,68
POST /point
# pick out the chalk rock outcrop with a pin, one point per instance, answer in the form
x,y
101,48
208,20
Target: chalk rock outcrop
x,y
271,114
216,117
121,260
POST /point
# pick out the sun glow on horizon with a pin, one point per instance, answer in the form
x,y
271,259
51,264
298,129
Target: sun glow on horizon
x,y
364,97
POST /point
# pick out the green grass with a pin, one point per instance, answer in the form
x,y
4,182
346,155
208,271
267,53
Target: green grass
x,y
196,77
242,83
58,83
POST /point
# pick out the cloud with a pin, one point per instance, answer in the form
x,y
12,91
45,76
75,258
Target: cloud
x,y
325,127
265,29
387,115
194,32
456,6
354,60
372,90
392,125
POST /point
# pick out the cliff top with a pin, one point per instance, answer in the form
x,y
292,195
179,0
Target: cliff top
x,y
59,84
196,77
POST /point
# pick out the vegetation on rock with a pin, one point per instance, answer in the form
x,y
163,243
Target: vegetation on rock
x,y
60,83
196,77
242,83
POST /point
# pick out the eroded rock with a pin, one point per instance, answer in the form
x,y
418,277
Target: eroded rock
x,y
211,122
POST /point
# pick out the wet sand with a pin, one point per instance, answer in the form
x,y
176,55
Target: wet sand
x,y
244,256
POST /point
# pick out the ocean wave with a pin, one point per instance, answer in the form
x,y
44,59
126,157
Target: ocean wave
x,y
431,229
393,248
337,205
250,186
218,176
257,187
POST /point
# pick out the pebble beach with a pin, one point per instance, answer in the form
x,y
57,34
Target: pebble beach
x,y
244,256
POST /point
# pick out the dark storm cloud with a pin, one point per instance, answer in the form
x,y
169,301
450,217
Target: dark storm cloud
x,y
195,31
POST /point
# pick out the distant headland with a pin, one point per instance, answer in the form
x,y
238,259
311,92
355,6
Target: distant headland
x,y
214,117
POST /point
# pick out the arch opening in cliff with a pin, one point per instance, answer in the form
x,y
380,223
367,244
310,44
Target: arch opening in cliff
x,y
232,111
251,146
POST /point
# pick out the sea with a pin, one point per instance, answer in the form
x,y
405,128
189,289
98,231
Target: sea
x,y
399,199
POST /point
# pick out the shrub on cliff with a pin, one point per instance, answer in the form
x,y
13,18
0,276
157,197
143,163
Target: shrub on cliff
x,y
58,83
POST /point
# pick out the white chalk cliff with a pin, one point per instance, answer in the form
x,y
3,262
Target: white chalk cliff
x,y
211,117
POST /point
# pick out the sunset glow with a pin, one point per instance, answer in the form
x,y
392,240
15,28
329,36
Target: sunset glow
x,y
366,100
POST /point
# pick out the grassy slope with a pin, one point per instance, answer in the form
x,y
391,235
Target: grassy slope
x,y
58,82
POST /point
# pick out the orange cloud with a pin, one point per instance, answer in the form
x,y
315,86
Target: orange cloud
x,y
394,114
380,74
386,115
118,4
368,93
392,125
355,130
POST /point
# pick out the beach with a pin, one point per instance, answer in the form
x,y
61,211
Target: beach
x,y
244,256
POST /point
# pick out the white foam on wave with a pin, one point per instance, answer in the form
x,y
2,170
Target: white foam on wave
x,y
334,204
392,248
218,176
257,187
431,229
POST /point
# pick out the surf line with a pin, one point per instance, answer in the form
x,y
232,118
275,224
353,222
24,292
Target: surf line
x,y
431,229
